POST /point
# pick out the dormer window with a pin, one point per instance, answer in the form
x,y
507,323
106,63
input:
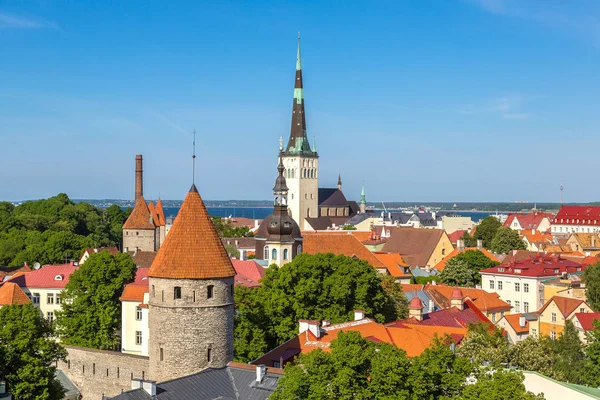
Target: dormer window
x,y
500,269
58,278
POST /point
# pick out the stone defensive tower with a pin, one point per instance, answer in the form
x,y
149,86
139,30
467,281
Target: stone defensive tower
x,y
190,314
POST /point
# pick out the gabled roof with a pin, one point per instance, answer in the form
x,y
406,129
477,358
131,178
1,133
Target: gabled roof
x,y
393,262
112,250
11,293
133,292
456,235
587,320
161,213
141,258
153,214
140,217
587,240
577,215
528,221
248,272
47,277
450,317
418,243
514,321
192,249
442,264
344,243
484,301
565,305
11,271
540,266
332,197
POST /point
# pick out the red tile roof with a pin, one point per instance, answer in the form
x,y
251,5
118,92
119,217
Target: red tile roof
x,y
47,277
577,215
11,293
140,217
393,263
484,301
565,305
248,273
586,320
514,321
141,276
112,250
451,317
134,293
528,221
343,243
536,267
456,235
192,249
9,271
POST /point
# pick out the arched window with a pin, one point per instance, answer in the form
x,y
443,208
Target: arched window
x,y
177,292
285,254
209,291
274,254
266,255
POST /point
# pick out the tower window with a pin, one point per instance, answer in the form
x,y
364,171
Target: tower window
x,y
231,289
208,354
285,254
266,255
177,292
162,354
153,291
299,249
209,291
274,254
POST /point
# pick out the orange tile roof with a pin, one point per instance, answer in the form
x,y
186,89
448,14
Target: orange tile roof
x,y
192,249
414,339
134,293
411,287
344,243
565,305
140,217
442,264
161,212
393,262
484,301
153,214
11,293
513,321
537,237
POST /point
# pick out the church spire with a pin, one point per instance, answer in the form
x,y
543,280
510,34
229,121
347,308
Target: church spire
x,y
363,200
298,142
339,180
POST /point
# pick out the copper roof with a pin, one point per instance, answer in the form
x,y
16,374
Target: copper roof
x,y
192,249
140,217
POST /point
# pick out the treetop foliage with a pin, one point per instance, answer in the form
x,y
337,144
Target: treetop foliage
x,y
463,269
225,228
507,240
591,278
486,230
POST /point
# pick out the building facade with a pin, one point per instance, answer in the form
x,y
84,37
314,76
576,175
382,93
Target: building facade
x,y
571,219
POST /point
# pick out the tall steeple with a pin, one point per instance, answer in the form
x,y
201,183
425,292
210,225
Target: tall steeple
x,y
298,142
363,201
339,180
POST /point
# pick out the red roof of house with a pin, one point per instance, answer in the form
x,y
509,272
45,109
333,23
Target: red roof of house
x,y
393,263
192,249
141,276
450,317
456,235
11,293
133,292
485,301
140,217
47,277
112,250
13,271
578,215
539,266
415,245
442,264
527,221
586,320
248,272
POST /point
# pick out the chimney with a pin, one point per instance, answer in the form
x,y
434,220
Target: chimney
x,y
261,371
325,323
126,250
139,177
136,383
431,306
479,244
522,321
312,326
415,309
460,244
149,387
456,299
358,315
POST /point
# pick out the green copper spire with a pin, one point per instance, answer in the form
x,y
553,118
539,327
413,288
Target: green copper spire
x,y
298,58
362,195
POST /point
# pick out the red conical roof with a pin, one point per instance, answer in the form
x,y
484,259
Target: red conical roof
x,y
457,294
161,213
192,249
416,303
140,217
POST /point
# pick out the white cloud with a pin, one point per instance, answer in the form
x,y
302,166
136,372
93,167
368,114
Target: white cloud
x,y
11,21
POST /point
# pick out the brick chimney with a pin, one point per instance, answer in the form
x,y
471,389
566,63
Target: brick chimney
x,y
139,177
457,300
415,309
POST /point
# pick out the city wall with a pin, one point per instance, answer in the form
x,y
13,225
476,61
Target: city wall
x,y
102,372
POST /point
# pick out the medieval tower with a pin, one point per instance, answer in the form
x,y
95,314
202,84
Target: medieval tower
x,y
301,163
190,316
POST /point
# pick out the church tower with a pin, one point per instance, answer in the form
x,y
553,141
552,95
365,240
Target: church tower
x,y
301,163
190,316
363,201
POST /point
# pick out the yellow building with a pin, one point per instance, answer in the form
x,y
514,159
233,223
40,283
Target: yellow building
x,y
570,287
554,314
586,243
422,248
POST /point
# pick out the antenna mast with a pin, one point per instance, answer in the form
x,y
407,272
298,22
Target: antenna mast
x,y
194,159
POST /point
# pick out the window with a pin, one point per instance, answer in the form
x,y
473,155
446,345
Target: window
x,y
552,335
493,317
138,313
58,298
209,291
285,254
274,254
509,303
208,351
553,317
443,252
491,284
50,298
533,332
517,287
499,285
525,307
137,233
36,298
50,316
299,249
153,291
582,310
517,306
177,292
276,364
526,287
501,314
231,289
266,255
138,337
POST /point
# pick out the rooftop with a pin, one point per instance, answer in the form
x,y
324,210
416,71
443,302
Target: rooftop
x,y
11,293
539,266
343,243
47,277
577,215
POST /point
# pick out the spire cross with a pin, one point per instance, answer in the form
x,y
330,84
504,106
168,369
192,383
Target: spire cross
x,y
194,159
280,143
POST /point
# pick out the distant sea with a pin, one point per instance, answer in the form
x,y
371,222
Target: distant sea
x,y
262,212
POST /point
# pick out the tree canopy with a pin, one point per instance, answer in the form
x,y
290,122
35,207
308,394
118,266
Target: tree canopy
x,y
486,230
225,228
591,278
91,310
463,269
28,354
50,230
507,240
320,286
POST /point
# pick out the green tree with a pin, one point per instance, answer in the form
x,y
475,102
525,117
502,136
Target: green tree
x,y
320,286
591,278
498,385
226,229
486,230
398,305
91,311
507,240
459,273
534,354
484,343
592,351
232,251
570,358
28,354
469,240
476,261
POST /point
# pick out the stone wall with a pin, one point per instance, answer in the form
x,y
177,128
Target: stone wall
x,y
102,372
143,239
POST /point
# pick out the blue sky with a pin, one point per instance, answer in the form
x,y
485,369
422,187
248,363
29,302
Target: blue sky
x,y
428,100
